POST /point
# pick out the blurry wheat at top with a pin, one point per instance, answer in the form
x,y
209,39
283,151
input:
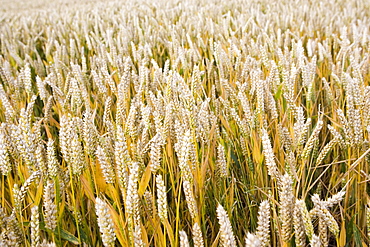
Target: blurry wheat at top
x,y
19,6
26,5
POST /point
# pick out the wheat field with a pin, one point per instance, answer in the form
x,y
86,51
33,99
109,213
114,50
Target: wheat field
x,y
185,123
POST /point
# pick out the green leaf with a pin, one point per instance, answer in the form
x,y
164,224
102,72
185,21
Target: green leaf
x,y
64,234
69,237
349,232
83,235
279,92
357,236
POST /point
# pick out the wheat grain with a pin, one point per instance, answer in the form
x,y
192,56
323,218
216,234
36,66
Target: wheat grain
x,y
162,198
287,199
50,208
105,223
263,228
35,228
226,232
184,242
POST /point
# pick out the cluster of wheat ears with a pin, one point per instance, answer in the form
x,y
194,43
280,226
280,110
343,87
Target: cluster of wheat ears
x,y
185,123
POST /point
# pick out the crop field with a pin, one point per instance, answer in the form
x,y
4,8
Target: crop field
x,y
185,123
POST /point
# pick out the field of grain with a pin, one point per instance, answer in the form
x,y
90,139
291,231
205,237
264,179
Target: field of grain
x,y
185,123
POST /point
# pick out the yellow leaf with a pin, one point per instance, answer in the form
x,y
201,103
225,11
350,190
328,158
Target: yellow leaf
x,y
144,181
99,179
144,235
117,221
39,192
87,189
342,235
